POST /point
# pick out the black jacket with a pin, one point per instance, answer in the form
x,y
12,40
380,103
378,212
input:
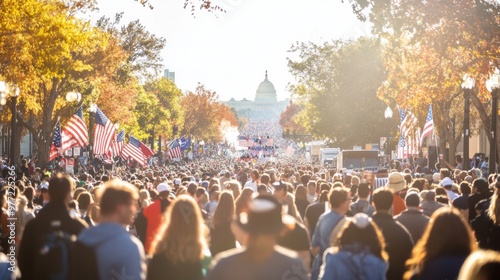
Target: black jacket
x,y
35,230
398,241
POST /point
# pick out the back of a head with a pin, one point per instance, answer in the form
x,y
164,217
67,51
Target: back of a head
x,y
481,185
412,199
481,265
323,197
363,190
84,199
465,188
440,191
360,230
181,239
325,187
301,193
304,179
338,196
355,180
419,184
60,187
444,173
265,179
447,235
383,199
116,193
408,179
225,209
191,189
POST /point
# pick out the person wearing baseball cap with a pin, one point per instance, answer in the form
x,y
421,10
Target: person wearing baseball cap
x,y
149,220
261,258
447,184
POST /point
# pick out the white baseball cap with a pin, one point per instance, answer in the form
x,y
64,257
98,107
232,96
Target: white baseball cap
x,y
163,187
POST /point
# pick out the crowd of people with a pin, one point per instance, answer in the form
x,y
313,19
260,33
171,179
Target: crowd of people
x,y
222,218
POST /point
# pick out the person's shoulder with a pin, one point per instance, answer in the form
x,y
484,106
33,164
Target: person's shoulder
x,y
229,255
284,253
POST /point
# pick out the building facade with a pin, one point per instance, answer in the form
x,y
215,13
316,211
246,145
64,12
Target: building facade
x,y
265,104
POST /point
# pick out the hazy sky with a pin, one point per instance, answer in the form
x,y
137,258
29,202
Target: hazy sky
x,y
229,52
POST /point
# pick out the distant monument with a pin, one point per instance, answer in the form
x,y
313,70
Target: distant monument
x,y
265,105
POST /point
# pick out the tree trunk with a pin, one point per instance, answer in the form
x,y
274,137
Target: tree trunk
x,y
42,136
17,146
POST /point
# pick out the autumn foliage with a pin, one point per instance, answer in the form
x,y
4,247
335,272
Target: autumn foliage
x,y
204,114
289,119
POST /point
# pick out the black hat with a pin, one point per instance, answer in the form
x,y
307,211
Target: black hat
x,y
264,216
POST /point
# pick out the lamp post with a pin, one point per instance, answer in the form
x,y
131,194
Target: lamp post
x,y
4,92
13,94
388,115
493,85
92,110
467,86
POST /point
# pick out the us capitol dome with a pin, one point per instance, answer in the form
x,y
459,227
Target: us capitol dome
x,y
266,103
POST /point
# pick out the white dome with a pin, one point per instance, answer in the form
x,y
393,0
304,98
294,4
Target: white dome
x,y
266,92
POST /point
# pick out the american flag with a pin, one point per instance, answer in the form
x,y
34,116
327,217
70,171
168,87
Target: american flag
x,y
60,142
146,151
429,125
77,129
118,143
174,149
133,151
104,133
408,124
56,142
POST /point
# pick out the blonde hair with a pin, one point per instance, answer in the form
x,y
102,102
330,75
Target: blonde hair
x,y
494,210
181,238
233,186
477,265
144,198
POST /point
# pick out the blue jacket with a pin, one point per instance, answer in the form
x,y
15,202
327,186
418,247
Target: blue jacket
x,y
119,254
347,264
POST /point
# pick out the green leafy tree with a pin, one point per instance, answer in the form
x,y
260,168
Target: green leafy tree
x,y
429,46
337,82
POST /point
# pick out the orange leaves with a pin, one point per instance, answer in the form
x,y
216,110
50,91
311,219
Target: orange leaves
x,y
204,114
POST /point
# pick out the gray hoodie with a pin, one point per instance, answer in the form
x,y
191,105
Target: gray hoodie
x,y
119,254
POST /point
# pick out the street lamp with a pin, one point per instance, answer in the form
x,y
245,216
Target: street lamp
x,y
493,85
73,97
467,86
388,113
4,92
13,94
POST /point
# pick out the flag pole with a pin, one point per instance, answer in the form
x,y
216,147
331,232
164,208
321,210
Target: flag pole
x,y
437,147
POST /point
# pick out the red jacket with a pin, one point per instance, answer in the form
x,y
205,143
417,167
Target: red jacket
x,y
154,216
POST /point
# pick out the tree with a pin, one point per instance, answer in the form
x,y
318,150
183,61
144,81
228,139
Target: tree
x,y
290,118
337,81
159,109
44,70
429,46
143,49
204,114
